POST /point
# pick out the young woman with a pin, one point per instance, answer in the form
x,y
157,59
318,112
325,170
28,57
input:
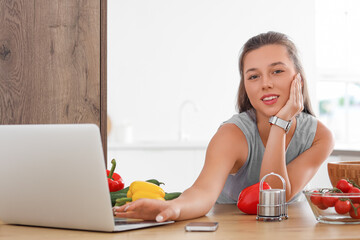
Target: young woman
x,y
275,131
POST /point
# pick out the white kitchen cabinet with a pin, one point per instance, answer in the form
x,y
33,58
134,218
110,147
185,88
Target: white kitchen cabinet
x,y
175,164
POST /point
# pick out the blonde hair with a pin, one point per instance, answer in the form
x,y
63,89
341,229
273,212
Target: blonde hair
x,y
243,102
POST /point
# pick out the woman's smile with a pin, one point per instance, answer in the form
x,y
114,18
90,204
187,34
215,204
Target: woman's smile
x,y
270,99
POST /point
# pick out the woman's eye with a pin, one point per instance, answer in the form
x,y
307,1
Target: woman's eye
x,y
252,77
278,71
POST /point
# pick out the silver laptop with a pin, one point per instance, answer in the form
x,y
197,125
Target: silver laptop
x,y
54,176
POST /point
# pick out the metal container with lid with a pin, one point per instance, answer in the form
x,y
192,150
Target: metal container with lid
x,y
272,202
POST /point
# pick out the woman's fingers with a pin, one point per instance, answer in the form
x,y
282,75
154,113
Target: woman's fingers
x,y
133,205
121,208
124,214
294,105
129,206
297,94
147,209
300,95
292,91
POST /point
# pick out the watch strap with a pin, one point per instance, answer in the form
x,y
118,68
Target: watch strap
x,y
274,120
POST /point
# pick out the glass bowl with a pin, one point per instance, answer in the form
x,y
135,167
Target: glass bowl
x,y
332,207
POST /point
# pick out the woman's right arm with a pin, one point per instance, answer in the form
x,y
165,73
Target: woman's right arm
x,y
227,147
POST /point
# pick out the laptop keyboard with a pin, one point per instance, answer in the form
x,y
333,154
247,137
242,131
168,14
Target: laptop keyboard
x,y
125,221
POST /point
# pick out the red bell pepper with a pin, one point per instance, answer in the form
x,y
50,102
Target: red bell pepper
x,y
249,198
114,180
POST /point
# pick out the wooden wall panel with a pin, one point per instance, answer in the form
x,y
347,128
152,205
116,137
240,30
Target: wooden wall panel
x,y
103,74
50,69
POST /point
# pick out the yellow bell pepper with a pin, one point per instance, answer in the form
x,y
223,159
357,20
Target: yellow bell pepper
x,y
141,189
149,195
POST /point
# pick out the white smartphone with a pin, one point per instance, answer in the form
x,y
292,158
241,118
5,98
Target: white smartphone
x,y
201,226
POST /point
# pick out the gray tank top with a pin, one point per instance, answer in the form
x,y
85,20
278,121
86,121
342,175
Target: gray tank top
x,y
249,173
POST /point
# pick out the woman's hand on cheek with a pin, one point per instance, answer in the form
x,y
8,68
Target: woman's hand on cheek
x,y
295,103
148,209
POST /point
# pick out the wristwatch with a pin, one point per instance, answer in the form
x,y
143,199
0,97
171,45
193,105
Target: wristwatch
x,y
274,120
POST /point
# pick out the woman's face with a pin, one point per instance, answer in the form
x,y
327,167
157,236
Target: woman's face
x,y
268,73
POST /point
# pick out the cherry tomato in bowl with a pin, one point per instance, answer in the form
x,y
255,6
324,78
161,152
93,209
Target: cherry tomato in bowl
x,y
355,211
344,185
356,197
316,198
342,206
329,200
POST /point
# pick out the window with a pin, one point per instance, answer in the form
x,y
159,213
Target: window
x,y
338,69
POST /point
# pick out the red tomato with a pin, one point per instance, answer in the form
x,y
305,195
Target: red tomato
x,y
356,214
342,207
329,200
322,206
316,198
344,185
355,199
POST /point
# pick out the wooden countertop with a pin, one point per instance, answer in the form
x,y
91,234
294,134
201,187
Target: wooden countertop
x,y
232,225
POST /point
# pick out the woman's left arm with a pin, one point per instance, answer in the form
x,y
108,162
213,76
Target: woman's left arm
x,y
305,166
300,171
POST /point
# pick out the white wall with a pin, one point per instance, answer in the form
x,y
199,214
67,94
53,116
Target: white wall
x,y
163,52
177,169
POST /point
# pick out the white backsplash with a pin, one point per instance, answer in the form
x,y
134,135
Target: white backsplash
x,y
179,168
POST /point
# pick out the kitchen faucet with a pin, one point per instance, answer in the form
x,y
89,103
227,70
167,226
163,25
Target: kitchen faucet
x,y
182,136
